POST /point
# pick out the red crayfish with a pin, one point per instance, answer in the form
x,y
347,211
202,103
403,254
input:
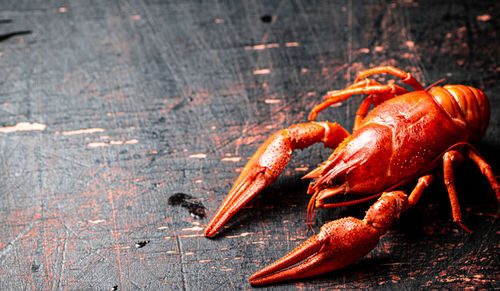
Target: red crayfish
x,y
405,137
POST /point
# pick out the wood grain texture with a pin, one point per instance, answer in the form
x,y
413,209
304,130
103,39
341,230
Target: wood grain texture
x,y
119,106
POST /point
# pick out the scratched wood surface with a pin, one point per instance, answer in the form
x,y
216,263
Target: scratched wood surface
x,y
122,123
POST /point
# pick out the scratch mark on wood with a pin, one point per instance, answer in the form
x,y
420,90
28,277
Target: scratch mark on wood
x,y
24,126
184,236
5,250
97,221
262,72
240,235
197,156
119,142
63,262
181,258
410,44
194,228
272,101
115,236
231,159
83,131
111,142
97,144
260,47
483,17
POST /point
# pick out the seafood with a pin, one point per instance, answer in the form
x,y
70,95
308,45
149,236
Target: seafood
x,y
406,137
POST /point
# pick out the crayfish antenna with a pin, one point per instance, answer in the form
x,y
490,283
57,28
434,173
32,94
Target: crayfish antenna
x,y
339,243
316,202
311,212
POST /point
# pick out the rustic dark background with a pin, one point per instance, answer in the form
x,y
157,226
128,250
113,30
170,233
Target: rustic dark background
x,y
107,110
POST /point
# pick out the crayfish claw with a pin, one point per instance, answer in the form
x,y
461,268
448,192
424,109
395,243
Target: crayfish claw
x,y
278,270
250,185
269,162
339,243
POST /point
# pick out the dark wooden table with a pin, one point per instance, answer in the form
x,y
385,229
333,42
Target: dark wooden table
x,y
106,111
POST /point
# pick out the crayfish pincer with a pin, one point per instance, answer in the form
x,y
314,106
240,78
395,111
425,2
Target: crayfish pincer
x,y
406,137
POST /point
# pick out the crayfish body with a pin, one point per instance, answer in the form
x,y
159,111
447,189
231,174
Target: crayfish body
x,y
406,137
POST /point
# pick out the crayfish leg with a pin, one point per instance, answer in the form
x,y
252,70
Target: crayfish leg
x,y
453,156
448,159
407,78
422,183
337,96
486,170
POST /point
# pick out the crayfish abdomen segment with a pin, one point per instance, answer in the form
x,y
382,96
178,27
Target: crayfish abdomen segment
x,y
464,105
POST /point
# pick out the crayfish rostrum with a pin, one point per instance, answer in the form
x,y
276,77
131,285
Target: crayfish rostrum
x,y
406,137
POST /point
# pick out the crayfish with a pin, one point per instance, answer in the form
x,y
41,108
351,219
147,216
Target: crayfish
x,y
406,137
